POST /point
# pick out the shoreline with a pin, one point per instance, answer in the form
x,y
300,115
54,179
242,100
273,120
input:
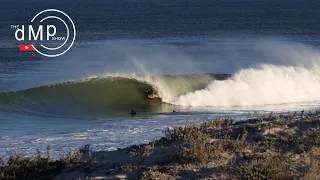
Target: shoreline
x,y
274,147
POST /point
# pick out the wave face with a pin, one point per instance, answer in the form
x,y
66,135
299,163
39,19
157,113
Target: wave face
x,y
102,95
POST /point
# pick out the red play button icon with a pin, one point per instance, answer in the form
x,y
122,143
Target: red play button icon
x,y
26,47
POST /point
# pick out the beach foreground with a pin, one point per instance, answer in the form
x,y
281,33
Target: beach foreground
x,y
270,147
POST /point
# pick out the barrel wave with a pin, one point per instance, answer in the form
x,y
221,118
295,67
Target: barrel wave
x,y
99,96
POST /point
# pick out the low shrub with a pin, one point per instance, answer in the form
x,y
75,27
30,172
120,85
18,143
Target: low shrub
x,y
314,170
180,132
37,167
155,175
199,147
266,167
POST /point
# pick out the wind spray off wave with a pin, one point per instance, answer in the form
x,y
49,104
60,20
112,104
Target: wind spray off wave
x,y
281,73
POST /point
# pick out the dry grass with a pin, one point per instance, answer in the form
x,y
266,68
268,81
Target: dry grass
x,y
180,132
198,147
155,175
267,167
314,170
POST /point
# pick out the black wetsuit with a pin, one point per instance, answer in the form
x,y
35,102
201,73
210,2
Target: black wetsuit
x,y
150,92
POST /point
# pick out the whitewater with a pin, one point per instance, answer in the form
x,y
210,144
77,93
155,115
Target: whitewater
x,y
267,85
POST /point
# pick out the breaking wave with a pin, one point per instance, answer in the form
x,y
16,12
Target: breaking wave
x,y
102,95
267,85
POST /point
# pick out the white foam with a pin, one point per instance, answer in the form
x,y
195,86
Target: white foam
x,y
267,85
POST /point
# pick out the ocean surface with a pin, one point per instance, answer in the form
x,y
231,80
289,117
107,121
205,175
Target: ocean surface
x,y
205,59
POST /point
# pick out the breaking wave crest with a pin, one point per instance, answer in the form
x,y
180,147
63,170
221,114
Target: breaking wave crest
x,y
265,85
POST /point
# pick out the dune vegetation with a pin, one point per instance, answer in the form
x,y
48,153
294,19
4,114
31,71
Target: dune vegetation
x,y
267,147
